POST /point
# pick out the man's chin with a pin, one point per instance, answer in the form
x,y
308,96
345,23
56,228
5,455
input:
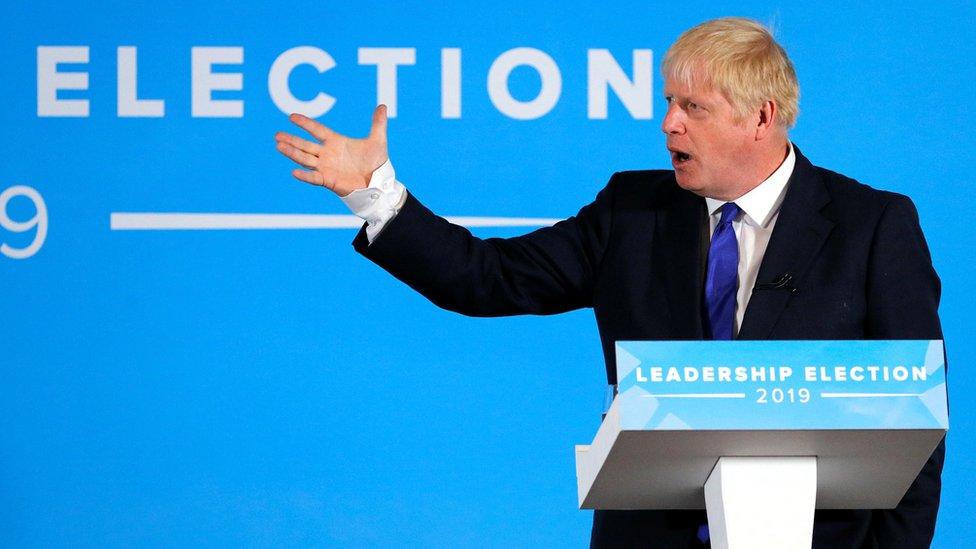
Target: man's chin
x,y
692,185
687,182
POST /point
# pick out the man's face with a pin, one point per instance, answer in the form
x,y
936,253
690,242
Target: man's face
x,y
710,150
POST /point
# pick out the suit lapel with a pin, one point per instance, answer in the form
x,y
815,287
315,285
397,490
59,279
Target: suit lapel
x,y
679,259
799,234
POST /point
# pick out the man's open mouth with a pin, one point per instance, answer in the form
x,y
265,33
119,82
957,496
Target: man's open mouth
x,y
679,156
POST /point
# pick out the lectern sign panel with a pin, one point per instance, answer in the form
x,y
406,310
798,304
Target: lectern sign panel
x,y
676,385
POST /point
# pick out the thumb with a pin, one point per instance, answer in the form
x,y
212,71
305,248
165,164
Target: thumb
x,y
378,127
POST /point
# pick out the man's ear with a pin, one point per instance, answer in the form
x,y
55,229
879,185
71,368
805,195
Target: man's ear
x,y
768,111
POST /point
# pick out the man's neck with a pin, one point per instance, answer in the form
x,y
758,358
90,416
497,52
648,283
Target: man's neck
x,y
769,162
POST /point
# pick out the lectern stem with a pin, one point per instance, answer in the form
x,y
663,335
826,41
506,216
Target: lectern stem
x,y
762,502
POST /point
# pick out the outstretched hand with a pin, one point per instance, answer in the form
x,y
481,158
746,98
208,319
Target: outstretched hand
x,y
337,162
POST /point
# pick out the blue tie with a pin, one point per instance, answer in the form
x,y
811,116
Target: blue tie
x,y
703,533
721,278
721,283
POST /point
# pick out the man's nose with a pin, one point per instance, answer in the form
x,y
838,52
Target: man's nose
x,y
672,121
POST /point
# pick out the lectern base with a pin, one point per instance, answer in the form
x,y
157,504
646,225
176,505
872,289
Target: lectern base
x,y
762,502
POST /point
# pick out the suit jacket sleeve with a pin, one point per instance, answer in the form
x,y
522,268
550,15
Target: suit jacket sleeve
x,y
903,301
550,270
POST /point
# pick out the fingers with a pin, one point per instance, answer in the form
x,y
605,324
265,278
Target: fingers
x,y
298,155
313,177
378,127
298,143
317,130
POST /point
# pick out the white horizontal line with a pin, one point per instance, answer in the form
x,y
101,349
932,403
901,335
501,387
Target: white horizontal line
x,y
867,395
168,221
468,221
699,395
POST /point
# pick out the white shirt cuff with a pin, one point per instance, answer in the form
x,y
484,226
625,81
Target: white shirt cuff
x,y
378,203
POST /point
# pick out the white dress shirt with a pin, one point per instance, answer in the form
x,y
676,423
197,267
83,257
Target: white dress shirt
x,y
753,227
378,203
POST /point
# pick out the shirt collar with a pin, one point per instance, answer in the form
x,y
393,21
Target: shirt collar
x,y
762,202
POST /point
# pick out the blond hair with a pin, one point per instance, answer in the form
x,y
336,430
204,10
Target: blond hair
x,y
739,58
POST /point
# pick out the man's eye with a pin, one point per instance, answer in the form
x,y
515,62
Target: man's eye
x,y
668,99
693,106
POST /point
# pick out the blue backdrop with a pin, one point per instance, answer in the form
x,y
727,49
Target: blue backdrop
x,y
270,387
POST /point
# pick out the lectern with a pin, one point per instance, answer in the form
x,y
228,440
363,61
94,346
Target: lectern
x,y
761,433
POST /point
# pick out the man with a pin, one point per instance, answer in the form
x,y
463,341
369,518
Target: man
x,y
744,239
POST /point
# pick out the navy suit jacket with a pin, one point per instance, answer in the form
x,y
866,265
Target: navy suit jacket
x,y
859,264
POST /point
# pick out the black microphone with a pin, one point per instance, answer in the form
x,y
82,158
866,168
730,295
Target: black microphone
x,y
782,282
